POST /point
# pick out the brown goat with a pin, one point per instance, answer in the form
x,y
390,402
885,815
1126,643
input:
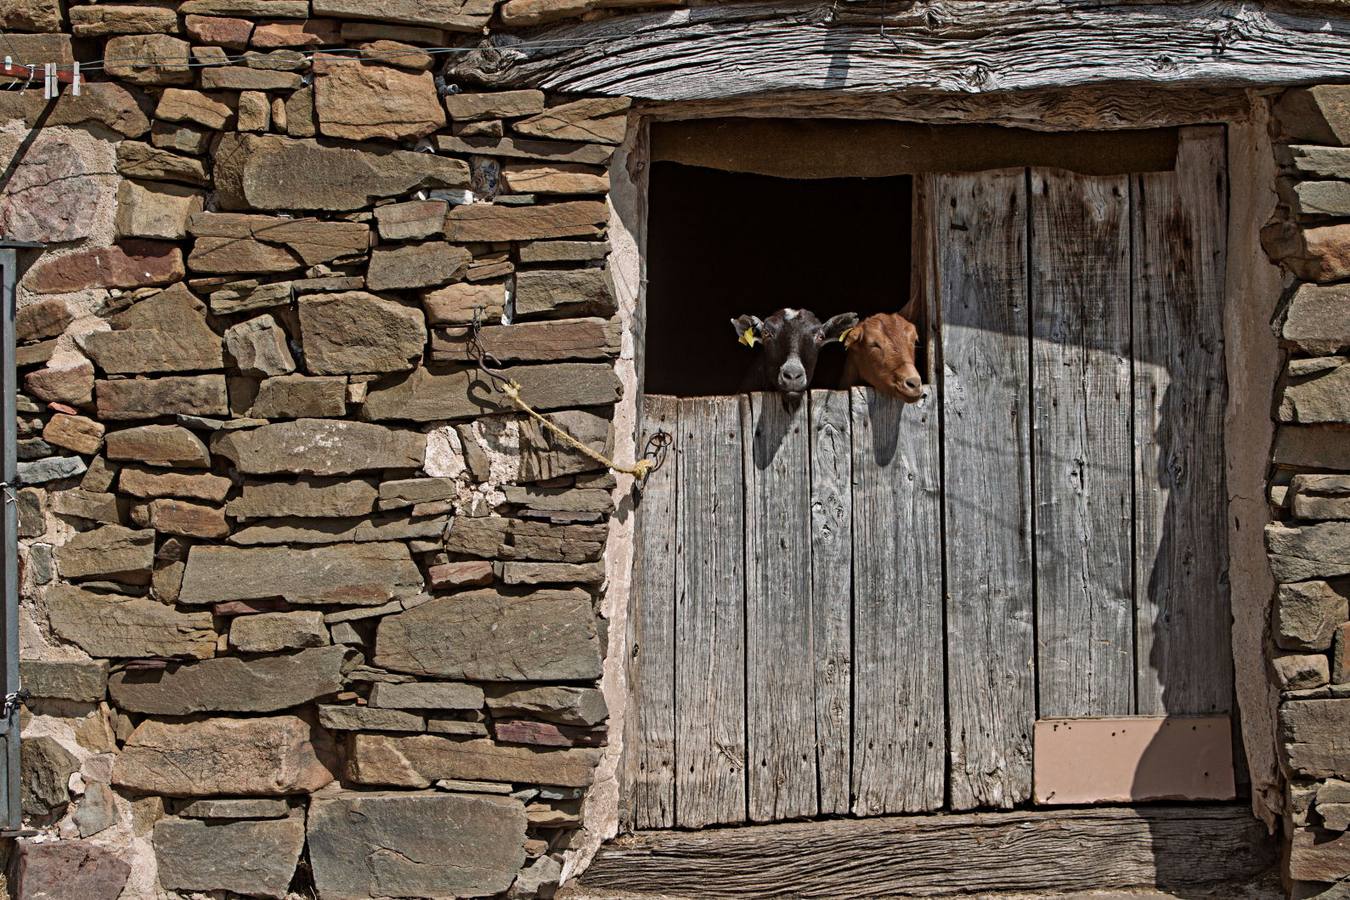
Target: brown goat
x,y
881,353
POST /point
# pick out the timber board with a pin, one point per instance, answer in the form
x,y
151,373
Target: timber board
x,y
1100,848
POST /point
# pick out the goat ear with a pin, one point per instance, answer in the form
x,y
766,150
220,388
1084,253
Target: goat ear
x,y
837,328
747,329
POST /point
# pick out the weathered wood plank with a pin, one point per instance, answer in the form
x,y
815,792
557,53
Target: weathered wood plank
x,y
779,664
710,615
1081,457
981,233
1034,852
898,741
1184,664
1089,108
832,593
1018,45
652,754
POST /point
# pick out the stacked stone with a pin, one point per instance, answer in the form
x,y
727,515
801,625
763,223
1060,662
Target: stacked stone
x,y
1309,545
298,580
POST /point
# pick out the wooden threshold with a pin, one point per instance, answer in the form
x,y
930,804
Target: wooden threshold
x,y
1037,852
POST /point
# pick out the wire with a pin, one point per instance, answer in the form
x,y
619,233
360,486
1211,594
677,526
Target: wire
x,y
14,54
358,54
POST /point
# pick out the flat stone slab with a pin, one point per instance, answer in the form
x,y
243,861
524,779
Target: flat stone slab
x,y
85,681
419,760
252,858
554,703
272,172
273,756
113,625
111,552
432,844
1313,737
304,497
427,695
485,636
320,447
270,632
350,574
69,870
232,684
251,808
368,718
1311,551
424,395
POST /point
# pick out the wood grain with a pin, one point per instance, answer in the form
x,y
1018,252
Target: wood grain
x,y
780,663
1037,853
981,233
1080,361
651,771
832,593
898,746
1086,108
1184,662
951,46
710,615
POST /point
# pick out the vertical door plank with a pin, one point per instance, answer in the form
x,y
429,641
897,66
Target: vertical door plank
x,y
710,615
1080,376
981,234
779,666
898,720
832,593
652,674
1184,662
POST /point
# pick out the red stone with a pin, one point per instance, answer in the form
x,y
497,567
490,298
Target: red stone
x,y
1317,855
44,319
1325,255
130,264
249,607
70,382
311,33
219,30
547,734
68,870
63,408
469,573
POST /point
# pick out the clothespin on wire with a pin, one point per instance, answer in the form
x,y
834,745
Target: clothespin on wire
x,y
75,80
49,89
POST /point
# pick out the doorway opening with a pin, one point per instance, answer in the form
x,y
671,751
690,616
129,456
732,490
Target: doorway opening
x,y
722,244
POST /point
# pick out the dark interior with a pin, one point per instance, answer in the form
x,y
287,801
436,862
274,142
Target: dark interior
x,y
721,244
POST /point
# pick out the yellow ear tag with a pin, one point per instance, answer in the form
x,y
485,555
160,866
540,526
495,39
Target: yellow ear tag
x,y
843,335
748,337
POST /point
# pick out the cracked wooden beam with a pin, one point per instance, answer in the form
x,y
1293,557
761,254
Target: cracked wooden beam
x,y
942,46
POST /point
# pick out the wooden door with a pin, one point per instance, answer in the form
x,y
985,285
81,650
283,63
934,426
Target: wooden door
x,y
861,607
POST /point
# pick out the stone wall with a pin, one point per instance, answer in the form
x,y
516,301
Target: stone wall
x,y
307,607
1309,544
307,604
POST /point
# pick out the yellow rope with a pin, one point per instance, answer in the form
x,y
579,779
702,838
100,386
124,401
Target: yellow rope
x,y
638,470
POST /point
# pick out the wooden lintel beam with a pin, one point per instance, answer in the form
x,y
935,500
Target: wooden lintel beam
x,y
943,46
1098,848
